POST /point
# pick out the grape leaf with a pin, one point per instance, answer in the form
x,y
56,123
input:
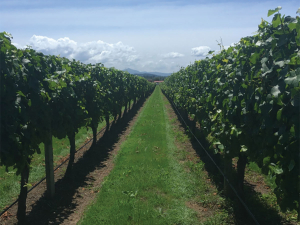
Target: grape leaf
x,y
291,165
271,12
275,91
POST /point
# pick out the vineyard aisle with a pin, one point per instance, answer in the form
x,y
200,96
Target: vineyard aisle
x,y
156,180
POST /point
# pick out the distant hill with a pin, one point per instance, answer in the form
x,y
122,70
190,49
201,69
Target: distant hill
x,y
152,77
136,72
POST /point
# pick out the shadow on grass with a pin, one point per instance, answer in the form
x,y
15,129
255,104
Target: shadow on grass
x,y
55,211
263,213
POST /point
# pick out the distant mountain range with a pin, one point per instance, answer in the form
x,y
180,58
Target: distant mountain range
x,y
136,72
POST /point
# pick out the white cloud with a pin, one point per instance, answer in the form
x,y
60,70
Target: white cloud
x,y
154,65
159,66
231,45
200,51
89,52
172,55
16,44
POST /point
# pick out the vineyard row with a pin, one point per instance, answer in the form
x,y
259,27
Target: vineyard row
x,y
247,100
45,95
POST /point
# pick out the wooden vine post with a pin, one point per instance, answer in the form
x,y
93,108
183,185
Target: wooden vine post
x,y
49,165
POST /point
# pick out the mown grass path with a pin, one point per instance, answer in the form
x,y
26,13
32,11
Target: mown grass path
x,y
148,185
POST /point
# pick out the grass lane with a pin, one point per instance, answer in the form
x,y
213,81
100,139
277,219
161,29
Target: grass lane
x,y
148,185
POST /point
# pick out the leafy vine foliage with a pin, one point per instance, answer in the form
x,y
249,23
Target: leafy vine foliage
x,y
44,93
247,97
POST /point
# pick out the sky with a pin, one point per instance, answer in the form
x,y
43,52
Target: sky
x,y
152,36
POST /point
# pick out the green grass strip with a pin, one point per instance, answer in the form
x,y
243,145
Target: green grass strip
x,y
147,184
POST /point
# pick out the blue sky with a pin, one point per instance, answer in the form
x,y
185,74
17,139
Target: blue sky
x,y
150,36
